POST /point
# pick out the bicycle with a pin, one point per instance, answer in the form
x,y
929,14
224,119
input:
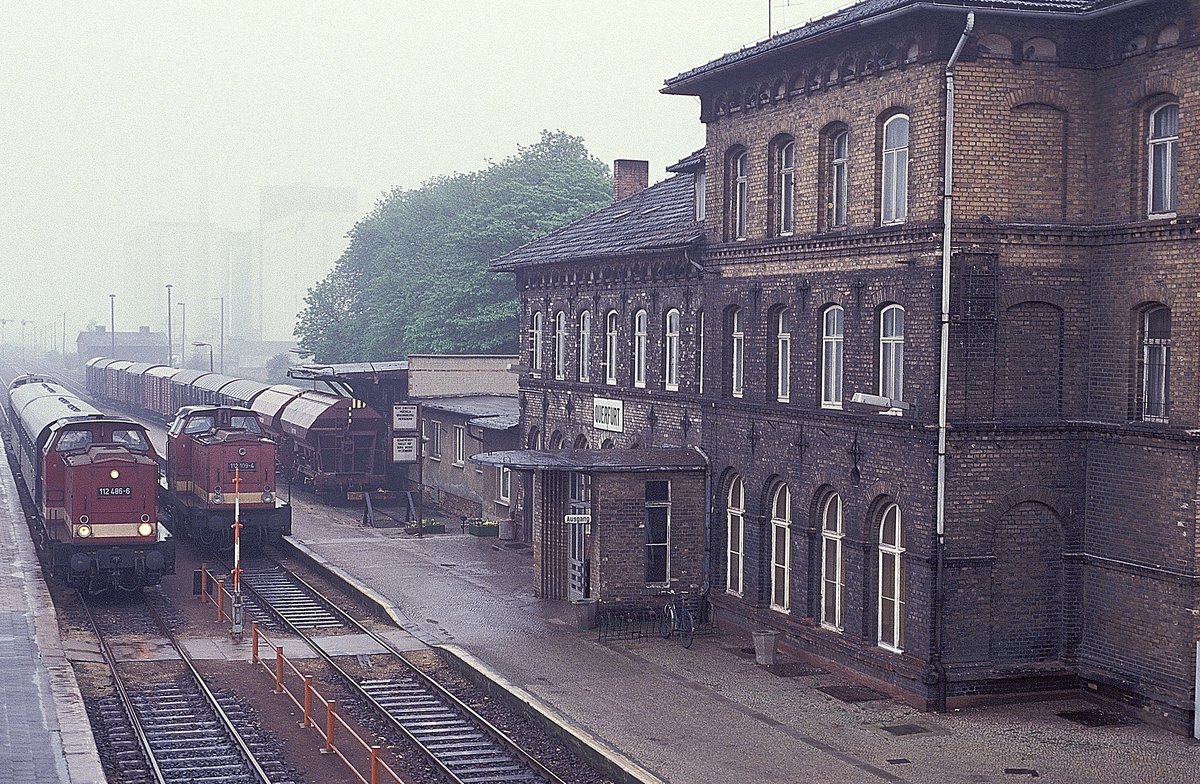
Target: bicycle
x,y
676,617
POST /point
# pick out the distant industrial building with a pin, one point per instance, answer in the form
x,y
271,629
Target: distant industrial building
x,y
140,346
303,233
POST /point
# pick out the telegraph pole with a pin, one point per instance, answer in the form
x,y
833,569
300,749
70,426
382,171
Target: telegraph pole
x,y
170,341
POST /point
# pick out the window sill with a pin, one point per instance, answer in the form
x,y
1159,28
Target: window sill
x,y
503,501
831,406
830,627
639,385
437,458
780,609
459,465
730,592
671,387
1160,216
783,400
889,648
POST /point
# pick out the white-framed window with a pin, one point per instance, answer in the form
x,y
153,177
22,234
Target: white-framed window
x,y
891,580
585,346
831,562
783,355
535,342
433,437
700,352
1156,351
504,494
832,334
781,548
737,347
460,445
839,178
741,194
1163,143
610,348
560,345
640,322
658,531
671,350
787,189
894,202
698,193
735,518
891,352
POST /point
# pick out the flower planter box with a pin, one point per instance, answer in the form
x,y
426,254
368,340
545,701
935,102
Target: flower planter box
x,y
483,530
427,528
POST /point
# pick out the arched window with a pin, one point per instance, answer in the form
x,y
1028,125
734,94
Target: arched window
x,y
737,348
610,348
787,188
556,440
1162,141
783,355
639,348
781,548
839,182
1156,348
891,352
535,342
740,195
894,202
671,350
831,562
891,580
585,346
832,332
560,345
735,519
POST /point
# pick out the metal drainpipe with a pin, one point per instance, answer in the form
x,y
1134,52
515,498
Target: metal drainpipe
x,y
944,369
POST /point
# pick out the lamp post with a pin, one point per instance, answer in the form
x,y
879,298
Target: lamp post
x,y
112,322
170,336
222,332
199,343
182,333
3,321
23,323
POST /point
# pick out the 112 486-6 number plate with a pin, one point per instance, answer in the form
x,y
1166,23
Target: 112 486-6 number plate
x,y
107,492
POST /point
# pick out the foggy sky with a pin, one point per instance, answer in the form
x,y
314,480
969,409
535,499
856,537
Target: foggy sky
x,y
116,114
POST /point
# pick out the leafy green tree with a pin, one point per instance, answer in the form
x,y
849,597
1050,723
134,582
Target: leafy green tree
x,y
415,276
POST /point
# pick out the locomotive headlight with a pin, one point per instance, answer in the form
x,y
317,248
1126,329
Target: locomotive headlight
x,y
115,474
242,452
218,496
84,531
267,495
145,529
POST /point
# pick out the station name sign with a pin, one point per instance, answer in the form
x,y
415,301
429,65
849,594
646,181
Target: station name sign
x,y
608,414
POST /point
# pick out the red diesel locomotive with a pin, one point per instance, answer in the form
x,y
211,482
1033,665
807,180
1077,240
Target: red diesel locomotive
x,y
94,480
217,455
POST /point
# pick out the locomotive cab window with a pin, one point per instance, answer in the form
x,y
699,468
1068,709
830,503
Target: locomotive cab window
x,y
247,423
199,424
74,439
134,439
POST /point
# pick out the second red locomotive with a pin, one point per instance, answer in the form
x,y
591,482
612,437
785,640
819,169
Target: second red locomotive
x,y
219,458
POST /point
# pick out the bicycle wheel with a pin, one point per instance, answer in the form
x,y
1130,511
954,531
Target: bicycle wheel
x,y
666,620
687,629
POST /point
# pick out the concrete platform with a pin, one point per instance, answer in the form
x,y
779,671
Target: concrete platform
x,y
44,730
710,715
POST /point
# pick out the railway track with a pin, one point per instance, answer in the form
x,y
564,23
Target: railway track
x,y
456,740
177,730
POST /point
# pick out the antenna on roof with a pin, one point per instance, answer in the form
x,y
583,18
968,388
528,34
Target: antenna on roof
x,y
769,28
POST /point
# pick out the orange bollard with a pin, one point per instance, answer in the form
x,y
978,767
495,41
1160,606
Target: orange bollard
x,y
203,582
375,765
254,642
330,712
279,670
308,690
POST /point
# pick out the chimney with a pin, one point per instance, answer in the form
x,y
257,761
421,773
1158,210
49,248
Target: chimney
x,y
629,177
100,328
144,330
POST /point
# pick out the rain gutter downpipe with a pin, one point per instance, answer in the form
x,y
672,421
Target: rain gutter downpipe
x,y
938,667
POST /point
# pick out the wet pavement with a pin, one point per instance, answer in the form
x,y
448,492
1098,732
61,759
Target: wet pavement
x,y
709,714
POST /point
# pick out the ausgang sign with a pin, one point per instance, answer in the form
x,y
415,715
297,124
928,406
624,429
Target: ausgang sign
x,y
608,414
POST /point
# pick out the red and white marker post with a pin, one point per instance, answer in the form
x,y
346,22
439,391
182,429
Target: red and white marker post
x,y
236,630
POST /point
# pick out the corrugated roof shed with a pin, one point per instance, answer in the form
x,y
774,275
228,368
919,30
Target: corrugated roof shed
x,y
493,412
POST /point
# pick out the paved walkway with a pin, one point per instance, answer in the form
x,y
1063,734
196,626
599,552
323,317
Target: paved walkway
x,y
44,730
709,715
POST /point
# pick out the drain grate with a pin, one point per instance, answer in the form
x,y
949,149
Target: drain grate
x,y
904,729
1095,717
851,693
795,670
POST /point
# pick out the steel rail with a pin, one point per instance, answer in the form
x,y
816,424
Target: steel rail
x,y
126,701
489,729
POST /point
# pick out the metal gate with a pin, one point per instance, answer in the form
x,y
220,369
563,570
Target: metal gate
x,y
577,555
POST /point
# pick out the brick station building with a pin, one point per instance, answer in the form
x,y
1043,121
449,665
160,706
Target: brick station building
x,y
776,306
